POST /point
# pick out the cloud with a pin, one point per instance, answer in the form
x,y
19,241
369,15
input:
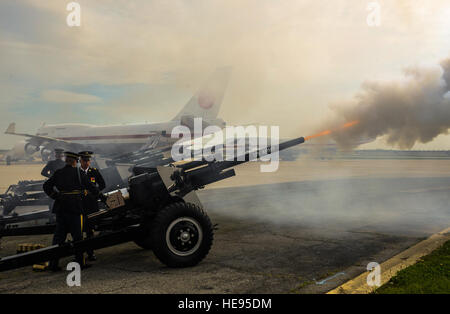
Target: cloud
x,y
61,96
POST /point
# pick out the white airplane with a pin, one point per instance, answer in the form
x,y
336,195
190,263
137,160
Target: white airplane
x,y
112,139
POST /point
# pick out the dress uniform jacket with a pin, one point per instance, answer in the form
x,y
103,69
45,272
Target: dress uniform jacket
x,y
90,203
71,186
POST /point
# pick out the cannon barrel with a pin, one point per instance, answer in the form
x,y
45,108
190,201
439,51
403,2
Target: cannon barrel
x,y
245,158
149,182
196,174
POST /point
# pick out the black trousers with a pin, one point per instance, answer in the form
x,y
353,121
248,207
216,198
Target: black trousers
x,y
89,229
68,223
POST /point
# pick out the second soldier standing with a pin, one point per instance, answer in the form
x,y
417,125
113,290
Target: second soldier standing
x,y
90,204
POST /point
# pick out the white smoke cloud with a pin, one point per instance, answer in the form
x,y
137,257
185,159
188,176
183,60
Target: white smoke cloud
x,y
406,112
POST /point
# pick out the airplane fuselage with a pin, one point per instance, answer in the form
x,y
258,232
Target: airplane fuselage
x,y
111,139
108,138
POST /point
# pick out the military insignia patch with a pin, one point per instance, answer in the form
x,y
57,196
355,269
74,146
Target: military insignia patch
x,y
93,179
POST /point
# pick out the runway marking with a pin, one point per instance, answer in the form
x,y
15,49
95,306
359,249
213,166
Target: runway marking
x,y
389,268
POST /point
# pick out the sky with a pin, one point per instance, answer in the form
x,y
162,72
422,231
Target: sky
x,y
141,61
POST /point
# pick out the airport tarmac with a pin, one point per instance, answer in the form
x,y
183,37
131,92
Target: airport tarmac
x,y
307,228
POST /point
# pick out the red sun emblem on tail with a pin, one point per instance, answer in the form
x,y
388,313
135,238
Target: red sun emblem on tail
x,y
205,100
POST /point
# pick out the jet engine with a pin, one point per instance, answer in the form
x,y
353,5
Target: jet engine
x,y
30,149
46,153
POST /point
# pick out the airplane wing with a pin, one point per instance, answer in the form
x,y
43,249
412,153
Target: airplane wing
x,y
12,131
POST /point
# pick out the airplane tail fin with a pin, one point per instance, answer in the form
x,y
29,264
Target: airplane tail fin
x,y
11,128
207,100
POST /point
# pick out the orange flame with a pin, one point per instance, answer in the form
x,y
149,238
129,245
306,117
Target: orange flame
x,y
326,132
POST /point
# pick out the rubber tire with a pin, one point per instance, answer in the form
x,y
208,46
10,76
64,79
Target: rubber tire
x,y
161,222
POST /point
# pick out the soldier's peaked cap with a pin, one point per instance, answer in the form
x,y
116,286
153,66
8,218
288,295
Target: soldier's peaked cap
x,y
71,155
86,154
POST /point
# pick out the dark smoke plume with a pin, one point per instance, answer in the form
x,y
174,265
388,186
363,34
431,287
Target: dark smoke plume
x,y
416,109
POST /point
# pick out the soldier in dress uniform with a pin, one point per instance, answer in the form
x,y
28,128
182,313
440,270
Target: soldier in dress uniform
x,y
66,186
90,203
55,164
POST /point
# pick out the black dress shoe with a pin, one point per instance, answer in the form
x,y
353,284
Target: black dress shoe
x,y
92,258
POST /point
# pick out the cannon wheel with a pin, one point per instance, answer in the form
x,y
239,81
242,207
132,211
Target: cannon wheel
x,y
181,235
